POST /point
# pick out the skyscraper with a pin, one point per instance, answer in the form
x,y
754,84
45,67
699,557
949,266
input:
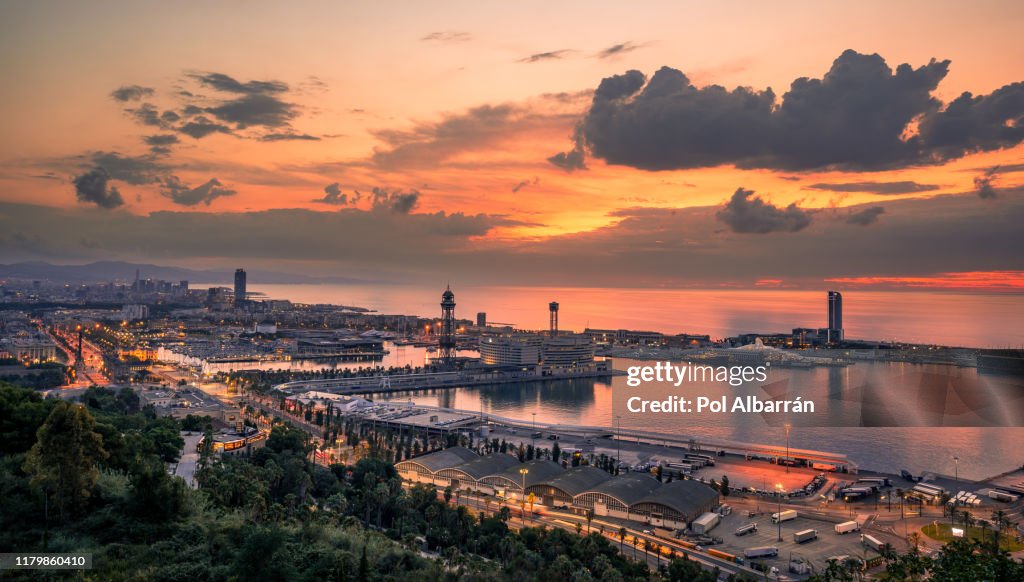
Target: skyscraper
x,y
835,316
481,319
239,287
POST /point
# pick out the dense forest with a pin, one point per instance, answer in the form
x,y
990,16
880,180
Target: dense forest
x,y
91,476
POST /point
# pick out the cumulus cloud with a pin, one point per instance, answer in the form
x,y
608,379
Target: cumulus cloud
x,y
865,216
861,115
546,56
334,195
94,187
983,184
885,188
746,213
180,193
254,109
395,201
127,93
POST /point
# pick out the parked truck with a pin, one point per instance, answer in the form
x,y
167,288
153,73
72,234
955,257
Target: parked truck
x,y
761,552
705,523
1003,496
847,527
872,542
804,536
725,556
746,529
784,516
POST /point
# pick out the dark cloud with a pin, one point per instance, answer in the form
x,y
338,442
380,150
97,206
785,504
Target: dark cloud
x,y
746,213
904,187
135,170
201,127
127,93
146,114
983,184
618,49
447,36
865,216
172,187
334,195
569,161
289,137
254,109
94,187
547,56
169,117
395,201
666,246
164,139
228,84
526,183
861,115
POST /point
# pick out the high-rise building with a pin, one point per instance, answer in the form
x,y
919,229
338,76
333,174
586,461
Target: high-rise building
x,y
239,287
481,319
835,316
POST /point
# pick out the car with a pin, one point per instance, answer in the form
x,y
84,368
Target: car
x,y
648,532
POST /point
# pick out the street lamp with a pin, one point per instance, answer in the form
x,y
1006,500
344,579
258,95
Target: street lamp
x,y
523,472
618,442
787,450
778,516
533,436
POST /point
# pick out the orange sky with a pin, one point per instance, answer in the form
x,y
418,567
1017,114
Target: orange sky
x,y
388,91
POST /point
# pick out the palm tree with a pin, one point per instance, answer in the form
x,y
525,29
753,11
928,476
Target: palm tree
x,y
622,537
636,542
590,518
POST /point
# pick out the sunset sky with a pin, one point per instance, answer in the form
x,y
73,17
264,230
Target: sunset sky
x,y
741,144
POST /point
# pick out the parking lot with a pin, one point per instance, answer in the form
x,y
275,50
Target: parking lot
x,y
817,551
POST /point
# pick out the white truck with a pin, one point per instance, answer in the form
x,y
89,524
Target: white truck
x,y
804,536
784,516
761,552
872,542
705,523
847,527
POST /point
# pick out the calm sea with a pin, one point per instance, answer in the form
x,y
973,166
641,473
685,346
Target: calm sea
x,y
958,319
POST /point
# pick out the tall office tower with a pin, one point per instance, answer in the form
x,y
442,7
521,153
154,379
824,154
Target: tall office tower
x,y
835,316
446,343
553,308
239,287
481,319
183,285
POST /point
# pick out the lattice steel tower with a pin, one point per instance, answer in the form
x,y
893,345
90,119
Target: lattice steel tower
x,y
446,343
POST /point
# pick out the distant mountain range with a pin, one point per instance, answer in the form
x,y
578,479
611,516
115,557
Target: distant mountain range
x,y
116,270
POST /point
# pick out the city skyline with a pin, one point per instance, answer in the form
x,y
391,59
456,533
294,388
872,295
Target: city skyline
x,y
685,150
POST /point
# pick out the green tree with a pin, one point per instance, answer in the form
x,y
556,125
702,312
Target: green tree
x,y
63,462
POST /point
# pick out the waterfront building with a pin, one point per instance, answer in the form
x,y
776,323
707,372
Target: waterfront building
x,y
614,497
676,504
835,316
240,287
510,350
481,319
567,352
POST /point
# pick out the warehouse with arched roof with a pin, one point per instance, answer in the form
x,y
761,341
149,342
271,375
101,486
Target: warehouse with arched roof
x,y
424,468
562,488
614,496
512,481
676,504
468,474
